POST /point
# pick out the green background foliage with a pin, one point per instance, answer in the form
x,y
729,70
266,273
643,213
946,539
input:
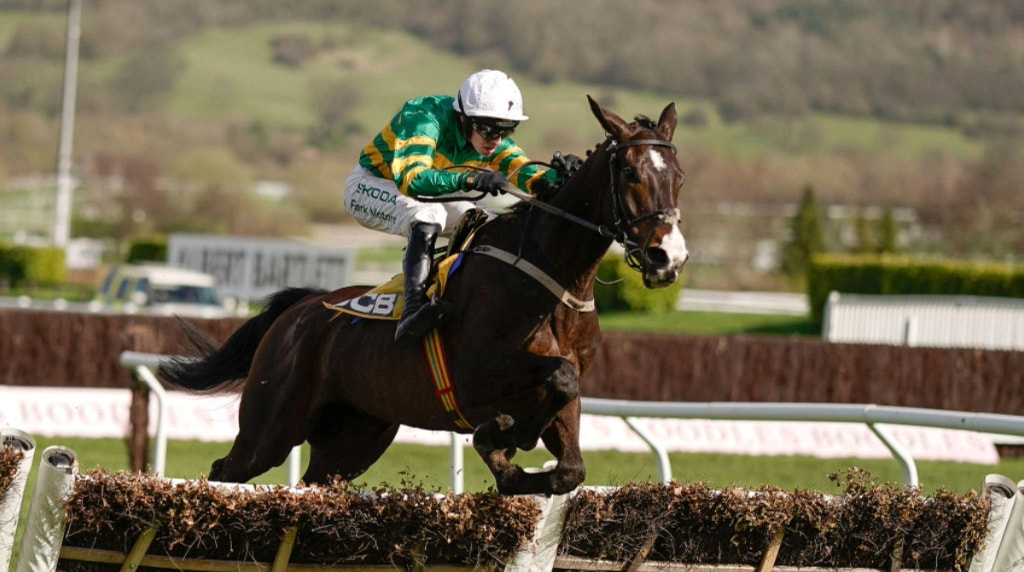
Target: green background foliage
x,y
622,289
866,274
24,265
148,249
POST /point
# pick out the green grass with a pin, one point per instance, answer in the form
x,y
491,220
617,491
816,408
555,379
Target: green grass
x,y
11,19
708,323
429,466
230,75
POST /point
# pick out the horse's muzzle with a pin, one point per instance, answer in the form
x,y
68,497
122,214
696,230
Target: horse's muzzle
x,y
663,263
662,276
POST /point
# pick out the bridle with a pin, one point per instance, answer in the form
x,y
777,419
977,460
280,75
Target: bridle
x,y
636,255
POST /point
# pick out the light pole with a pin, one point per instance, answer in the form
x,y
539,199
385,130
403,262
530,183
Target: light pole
x,y
65,184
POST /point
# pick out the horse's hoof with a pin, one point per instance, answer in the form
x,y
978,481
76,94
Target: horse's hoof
x,y
216,470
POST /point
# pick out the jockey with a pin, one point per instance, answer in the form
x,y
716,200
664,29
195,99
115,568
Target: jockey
x,y
410,158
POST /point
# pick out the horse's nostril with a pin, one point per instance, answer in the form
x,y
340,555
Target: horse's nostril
x,y
657,257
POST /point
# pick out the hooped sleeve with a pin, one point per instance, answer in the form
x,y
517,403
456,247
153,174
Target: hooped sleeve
x,y
414,144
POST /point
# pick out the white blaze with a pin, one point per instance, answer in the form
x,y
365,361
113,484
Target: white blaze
x,y
657,161
674,246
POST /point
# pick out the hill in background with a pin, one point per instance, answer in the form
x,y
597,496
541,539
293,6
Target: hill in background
x,y
184,107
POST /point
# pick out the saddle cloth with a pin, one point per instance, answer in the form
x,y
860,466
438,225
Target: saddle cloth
x,y
385,302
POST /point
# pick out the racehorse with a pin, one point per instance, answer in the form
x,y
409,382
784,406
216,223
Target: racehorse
x,y
521,333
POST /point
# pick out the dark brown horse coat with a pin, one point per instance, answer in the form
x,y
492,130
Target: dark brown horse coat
x,y
515,351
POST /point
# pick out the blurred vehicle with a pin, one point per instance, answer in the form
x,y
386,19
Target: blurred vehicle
x,y
160,290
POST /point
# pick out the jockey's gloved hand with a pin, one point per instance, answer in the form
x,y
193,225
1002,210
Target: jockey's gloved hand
x,y
565,165
490,182
543,188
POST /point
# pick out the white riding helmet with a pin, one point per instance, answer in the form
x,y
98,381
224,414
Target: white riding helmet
x,y
490,93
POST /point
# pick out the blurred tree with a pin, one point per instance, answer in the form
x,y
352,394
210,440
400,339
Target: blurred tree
x,y
866,241
31,84
213,196
696,117
250,141
332,102
146,77
212,168
888,233
292,50
318,189
983,215
27,142
806,238
37,39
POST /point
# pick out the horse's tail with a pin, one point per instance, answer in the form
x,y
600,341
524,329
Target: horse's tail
x,y
223,368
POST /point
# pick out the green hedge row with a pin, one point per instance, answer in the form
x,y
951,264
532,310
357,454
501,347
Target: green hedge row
x,y
148,249
25,265
872,274
621,289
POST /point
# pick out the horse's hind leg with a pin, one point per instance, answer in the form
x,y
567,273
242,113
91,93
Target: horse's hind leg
x,y
345,443
271,419
247,459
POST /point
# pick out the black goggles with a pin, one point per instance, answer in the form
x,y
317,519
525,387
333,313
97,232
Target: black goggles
x,y
491,130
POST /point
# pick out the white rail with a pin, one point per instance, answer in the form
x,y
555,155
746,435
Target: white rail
x,y
876,417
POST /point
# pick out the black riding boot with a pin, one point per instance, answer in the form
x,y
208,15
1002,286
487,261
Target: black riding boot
x,y
419,315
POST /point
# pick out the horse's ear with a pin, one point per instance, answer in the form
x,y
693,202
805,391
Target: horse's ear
x,y
667,121
612,123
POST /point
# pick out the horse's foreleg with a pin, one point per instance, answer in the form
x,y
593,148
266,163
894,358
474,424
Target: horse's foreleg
x,y
556,419
560,381
562,439
495,443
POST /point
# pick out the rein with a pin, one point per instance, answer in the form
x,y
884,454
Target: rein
x,y
669,216
561,213
636,258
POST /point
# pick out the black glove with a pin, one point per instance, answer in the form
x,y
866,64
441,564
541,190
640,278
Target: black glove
x,y
490,182
543,189
565,165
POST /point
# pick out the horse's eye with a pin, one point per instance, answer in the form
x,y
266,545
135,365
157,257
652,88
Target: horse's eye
x,y
630,173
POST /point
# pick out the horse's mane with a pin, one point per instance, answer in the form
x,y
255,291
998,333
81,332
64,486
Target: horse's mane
x,y
641,120
645,121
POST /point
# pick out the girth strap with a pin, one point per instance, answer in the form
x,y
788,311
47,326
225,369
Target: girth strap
x,y
537,274
433,345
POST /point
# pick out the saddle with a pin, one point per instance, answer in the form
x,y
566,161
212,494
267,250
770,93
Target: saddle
x,y
385,302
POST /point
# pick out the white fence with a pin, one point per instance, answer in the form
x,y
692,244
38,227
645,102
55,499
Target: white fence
x,y
876,417
926,321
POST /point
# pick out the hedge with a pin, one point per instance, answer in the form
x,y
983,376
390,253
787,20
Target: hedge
x,y
148,249
21,265
874,274
621,288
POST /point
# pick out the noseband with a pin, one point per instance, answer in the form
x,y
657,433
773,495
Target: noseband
x,y
636,255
